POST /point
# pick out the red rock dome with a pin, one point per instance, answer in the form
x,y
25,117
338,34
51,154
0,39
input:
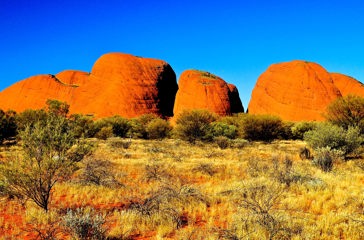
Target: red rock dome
x,y
130,86
295,91
119,84
203,90
348,85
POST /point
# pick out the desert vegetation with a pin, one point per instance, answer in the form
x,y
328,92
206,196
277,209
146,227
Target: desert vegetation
x,y
205,177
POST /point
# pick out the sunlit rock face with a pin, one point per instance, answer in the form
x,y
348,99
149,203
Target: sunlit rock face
x,y
119,84
348,85
203,90
294,91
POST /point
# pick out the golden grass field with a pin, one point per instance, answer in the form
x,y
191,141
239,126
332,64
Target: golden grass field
x,y
171,189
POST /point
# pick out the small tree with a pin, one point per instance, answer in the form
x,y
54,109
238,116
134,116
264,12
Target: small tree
x,y
44,162
347,112
194,125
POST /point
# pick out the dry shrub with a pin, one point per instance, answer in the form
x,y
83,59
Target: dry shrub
x,y
156,172
325,158
167,204
286,174
305,153
259,200
119,143
98,172
85,224
205,168
222,142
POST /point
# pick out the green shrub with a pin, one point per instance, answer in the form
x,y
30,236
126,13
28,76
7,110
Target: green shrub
x,y
120,126
235,120
3,188
138,126
80,150
261,127
137,129
158,129
347,112
29,118
97,126
300,128
194,125
83,126
105,133
223,129
353,141
334,137
286,131
8,126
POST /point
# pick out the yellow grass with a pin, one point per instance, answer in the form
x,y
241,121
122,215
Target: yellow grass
x,y
200,192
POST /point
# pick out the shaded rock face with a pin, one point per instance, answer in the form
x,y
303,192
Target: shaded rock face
x,y
295,91
236,105
203,90
119,84
348,85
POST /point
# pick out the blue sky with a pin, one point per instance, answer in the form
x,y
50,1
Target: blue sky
x,y
236,40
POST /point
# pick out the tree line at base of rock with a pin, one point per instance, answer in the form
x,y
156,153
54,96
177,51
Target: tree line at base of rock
x,y
345,116
193,125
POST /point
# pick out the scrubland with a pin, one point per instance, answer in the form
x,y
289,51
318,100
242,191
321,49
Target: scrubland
x,y
206,177
172,189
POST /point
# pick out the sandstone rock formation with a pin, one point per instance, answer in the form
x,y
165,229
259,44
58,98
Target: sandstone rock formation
x,y
118,84
348,85
130,86
33,92
295,91
203,90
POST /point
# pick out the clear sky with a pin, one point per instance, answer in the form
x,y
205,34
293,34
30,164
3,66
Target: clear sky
x,y
236,40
